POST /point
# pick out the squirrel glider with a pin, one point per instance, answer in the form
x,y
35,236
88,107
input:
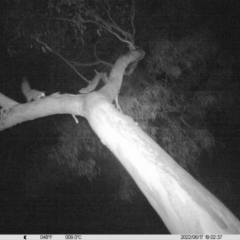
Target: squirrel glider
x,y
29,93
33,94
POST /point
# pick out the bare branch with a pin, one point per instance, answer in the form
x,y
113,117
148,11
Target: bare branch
x,y
50,105
65,60
6,102
102,61
93,84
112,27
99,61
91,63
133,12
108,10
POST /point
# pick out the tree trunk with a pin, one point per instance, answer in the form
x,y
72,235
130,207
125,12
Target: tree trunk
x,y
183,203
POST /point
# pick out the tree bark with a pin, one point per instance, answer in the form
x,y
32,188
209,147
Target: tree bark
x,y
183,203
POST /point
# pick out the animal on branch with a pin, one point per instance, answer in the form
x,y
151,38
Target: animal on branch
x,y
30,94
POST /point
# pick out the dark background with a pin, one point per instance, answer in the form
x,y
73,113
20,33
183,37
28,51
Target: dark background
x,y
80,206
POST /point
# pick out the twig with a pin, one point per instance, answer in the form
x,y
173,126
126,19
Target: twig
x,y
59,55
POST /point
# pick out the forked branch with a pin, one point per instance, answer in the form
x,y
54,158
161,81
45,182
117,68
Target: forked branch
x,y
111,26
64,59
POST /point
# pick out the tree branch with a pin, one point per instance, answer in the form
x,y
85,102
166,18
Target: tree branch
x,y
99,61
66,103
65,60
93,84
132,16
51,105
112,27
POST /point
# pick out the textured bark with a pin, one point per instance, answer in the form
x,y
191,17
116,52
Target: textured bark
x,y
183,203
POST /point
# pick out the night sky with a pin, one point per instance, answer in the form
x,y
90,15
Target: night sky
x,y
37,196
